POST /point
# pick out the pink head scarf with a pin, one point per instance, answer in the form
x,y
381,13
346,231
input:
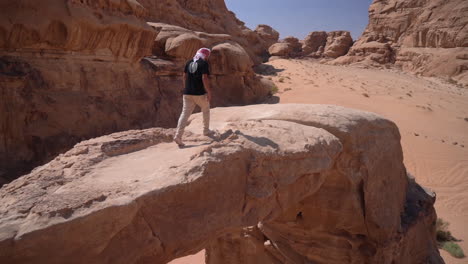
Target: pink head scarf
x,y
202,53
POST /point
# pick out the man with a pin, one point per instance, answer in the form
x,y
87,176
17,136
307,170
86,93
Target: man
x,y
197,91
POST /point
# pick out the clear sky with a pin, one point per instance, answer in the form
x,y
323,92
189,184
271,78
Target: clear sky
x,y
299,17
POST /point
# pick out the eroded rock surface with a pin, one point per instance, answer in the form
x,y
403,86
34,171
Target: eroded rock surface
x,y
318,44
306,179
69,70
417,36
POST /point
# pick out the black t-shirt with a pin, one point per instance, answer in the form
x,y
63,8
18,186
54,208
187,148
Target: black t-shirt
x,y
194,82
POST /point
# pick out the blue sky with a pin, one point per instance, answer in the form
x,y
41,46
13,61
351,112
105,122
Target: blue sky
x,y
299,17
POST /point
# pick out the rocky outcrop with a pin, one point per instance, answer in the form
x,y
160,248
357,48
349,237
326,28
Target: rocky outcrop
x,y
314,42
416,35
307,182
317,44
338,44
267,34
72,70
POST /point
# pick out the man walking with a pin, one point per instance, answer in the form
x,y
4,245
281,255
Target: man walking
x,y
197,91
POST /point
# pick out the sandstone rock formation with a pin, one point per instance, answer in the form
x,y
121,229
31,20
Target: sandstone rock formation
x,y
72,70
279,184
314,41
332,44
210,16
419,36
268,34
338,44
69,71
317,44
287,47
280,49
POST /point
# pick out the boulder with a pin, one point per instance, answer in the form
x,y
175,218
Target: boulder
x,y
183,46
314,41
230,58
280,49
287,47
267,34
338,44
276,184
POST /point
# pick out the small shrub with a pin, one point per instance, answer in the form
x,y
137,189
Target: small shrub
x,y
454,249
445,239
273,89
442,232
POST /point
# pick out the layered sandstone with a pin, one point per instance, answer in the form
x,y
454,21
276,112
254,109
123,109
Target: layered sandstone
x,y
70,71
107,30
308,182
73,70
417,36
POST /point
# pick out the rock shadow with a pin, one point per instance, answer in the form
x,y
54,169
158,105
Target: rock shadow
x,y
261,141
265,69
272,100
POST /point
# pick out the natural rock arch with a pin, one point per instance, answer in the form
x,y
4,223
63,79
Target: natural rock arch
x,y
132,197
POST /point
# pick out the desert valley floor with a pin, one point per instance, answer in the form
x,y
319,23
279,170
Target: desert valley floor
x,y
432,115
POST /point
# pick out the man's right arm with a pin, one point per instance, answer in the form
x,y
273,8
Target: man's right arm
x,y
184,78
206,84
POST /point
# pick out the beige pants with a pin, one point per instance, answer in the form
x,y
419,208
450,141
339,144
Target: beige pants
x,y
189,105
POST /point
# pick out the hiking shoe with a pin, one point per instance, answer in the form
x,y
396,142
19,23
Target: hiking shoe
x,y
179,142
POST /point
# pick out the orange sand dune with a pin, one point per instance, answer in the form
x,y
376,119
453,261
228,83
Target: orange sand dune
x,y
429,112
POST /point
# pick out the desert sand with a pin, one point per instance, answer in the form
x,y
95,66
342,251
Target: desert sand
x,y
432,116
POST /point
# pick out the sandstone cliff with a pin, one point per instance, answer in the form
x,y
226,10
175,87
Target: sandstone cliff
x,y
72,70
279,184
429,37
69,70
